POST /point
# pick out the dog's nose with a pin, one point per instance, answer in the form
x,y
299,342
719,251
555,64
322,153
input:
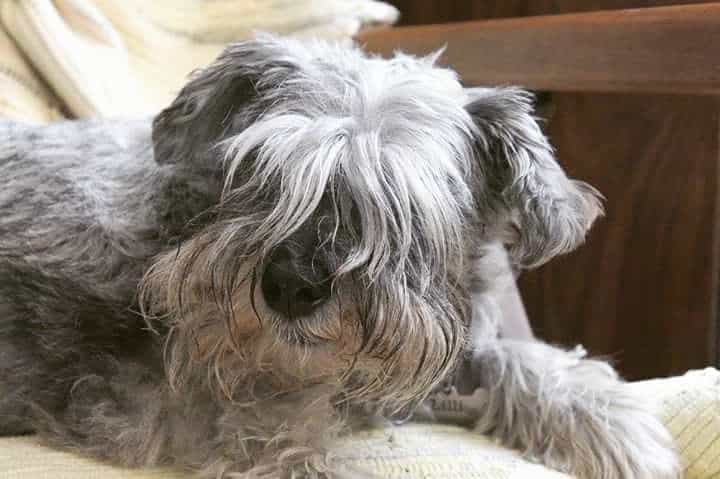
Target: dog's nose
x,y
287,291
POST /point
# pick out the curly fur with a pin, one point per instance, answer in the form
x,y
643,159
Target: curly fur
x,y
132,323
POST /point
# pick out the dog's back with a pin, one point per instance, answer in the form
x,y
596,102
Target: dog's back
x,y
77,227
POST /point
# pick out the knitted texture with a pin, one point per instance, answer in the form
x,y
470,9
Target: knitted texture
x,y
23,95
131,57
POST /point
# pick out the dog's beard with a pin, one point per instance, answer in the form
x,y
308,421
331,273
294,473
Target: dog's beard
x,y
382,344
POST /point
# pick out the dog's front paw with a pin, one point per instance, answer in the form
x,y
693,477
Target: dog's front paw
x,y
572,414
620,439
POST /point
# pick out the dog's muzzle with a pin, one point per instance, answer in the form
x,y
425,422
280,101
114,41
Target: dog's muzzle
x,y
291,289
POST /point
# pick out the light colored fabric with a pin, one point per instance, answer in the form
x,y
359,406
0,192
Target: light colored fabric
x,y
129,57
78,52
424,451
689,405
24,458
23,96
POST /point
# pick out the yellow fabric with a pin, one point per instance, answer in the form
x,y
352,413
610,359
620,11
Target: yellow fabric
x,y
689,405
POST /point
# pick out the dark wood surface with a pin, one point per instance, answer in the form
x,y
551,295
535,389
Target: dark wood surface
x,y
417,12
673,49
643,289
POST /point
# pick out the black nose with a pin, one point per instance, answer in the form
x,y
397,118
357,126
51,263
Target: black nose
x,y
289,291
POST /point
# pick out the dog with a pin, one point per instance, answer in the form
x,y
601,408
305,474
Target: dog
x,y
306,240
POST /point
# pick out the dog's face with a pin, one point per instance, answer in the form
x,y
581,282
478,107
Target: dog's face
x,y
352,195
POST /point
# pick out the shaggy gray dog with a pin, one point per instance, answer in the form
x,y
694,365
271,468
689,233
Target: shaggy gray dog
x,y
306,237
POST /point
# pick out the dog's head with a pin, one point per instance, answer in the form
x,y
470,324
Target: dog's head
x,y
350,193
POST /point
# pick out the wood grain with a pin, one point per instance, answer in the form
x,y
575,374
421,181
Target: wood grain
x,y
644,288
673,49
416,12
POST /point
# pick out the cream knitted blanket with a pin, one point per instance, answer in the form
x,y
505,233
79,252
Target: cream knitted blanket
x,y
22,94
130,57
689,405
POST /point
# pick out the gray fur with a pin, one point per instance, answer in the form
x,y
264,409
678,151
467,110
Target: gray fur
x,y
131,324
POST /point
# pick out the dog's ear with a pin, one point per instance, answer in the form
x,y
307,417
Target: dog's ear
x,y
218,99
521,182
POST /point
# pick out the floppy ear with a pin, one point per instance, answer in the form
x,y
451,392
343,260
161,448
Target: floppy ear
x,y
220,98
520,179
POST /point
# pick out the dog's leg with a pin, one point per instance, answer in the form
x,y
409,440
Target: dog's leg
x,y
569,412
122,418
130,422
559,407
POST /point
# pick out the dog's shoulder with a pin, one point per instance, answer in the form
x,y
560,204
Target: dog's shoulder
x,y
122,133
